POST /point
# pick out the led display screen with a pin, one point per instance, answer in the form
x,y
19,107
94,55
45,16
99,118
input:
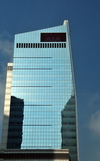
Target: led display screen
x,y
53,37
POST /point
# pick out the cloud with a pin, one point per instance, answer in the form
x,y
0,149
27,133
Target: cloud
x,y
6,46
98,153
94,100
94,113
94,123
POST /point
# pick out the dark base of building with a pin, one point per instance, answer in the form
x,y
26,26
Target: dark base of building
x,y
62,154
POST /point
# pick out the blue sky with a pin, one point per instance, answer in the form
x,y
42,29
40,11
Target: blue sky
x,y
18,16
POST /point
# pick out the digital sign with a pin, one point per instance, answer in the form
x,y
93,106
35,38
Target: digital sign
x,y
53,37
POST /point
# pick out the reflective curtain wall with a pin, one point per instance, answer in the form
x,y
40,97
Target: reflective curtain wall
x,y
43,110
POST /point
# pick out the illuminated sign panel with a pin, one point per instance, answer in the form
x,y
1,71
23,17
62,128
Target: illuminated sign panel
x,y
53,37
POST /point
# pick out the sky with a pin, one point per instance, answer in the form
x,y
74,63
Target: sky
x,y
18,16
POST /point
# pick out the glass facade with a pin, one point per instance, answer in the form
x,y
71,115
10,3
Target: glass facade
x,y
43,99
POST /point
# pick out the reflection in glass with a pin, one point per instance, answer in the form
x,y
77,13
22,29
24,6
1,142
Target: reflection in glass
x,y
68,128
15,123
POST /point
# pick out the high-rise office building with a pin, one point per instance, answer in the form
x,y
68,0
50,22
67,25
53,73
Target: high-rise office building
x,y
40,101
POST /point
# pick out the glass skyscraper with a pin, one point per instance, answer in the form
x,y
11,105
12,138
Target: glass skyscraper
x,y
40,104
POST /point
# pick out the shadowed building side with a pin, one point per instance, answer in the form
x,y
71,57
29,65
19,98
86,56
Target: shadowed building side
x,y
6,106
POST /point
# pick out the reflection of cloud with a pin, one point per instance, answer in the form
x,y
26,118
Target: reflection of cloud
x,y
6,50
94,124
